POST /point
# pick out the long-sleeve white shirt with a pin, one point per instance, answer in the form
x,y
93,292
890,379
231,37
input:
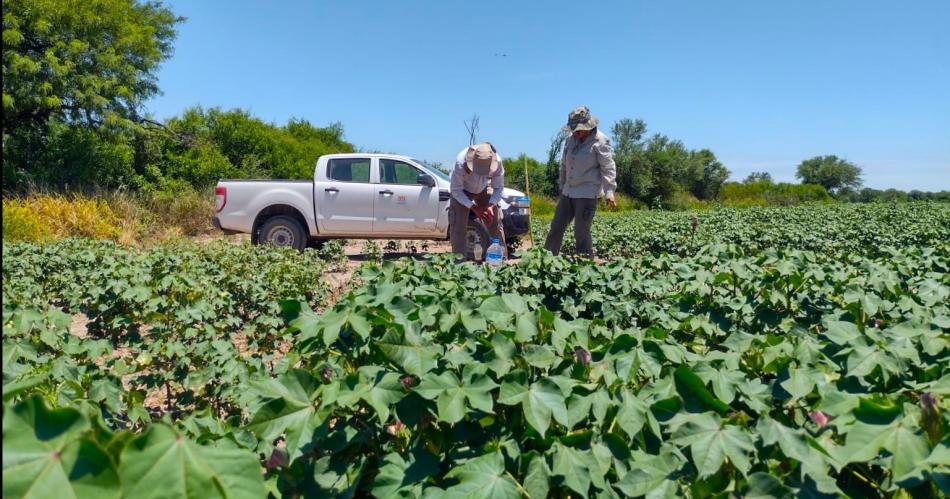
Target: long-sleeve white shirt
x,y
462,181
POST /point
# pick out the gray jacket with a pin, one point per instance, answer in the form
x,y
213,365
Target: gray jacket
x,y
587,168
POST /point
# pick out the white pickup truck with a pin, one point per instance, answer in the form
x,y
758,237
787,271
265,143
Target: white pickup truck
x,y
357,196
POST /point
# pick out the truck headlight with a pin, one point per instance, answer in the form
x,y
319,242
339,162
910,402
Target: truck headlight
x,y
520,204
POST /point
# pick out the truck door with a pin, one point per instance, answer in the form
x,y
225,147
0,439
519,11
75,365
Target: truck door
x,y
403,206
344,202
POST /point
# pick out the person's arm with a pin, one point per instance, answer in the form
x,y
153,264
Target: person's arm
x,y
458,187
497,184
456,184
608,169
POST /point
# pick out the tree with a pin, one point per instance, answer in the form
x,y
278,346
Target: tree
x,y
713,174
553,165
653,170
668,161
75,75
634,176
81,61
758,177
205,145
627,136
835,174
537,174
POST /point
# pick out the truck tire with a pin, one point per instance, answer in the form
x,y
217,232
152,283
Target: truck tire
x,y
477,241
513,245
283,232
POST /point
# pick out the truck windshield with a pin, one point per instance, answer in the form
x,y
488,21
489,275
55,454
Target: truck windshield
x,y
437,169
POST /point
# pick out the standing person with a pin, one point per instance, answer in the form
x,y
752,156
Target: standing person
x,y
587,172
477,167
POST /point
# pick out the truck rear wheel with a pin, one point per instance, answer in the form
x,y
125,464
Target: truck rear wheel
x,y
283,232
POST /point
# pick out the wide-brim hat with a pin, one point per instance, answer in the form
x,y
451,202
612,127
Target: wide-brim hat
x,y
580,119
481,158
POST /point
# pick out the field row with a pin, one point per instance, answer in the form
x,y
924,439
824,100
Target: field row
x,y
833,228
728,370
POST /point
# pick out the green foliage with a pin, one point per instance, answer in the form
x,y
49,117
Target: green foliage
x,y
725,370
553,164
49,452
71,156
537,176
765,193
634,177
756,177
869,195
166,325
189,152
542,207
75,75
81,62
203,146
161,455
654,170
835,174
827,228
710,173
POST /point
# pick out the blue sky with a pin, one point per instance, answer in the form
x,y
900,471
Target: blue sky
x,y
762,84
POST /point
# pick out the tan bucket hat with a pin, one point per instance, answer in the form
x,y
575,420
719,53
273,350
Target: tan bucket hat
x,y
580,119
481,158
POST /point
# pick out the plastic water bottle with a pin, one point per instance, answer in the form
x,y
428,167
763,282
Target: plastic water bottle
x,y
495,253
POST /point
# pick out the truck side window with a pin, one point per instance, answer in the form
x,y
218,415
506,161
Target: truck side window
x,y
348,170
392,171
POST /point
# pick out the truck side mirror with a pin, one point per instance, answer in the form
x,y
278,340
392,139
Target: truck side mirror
x,y
425,180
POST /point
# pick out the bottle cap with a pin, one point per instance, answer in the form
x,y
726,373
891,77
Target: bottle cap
x,y
495,240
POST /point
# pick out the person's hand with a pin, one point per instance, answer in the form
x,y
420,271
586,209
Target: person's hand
x,y
486,214
612,203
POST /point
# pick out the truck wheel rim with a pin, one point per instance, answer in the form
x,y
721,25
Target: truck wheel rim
x,y
281,236
473,238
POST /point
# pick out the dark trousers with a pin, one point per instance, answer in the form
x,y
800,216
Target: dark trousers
x,y
581,211
458,223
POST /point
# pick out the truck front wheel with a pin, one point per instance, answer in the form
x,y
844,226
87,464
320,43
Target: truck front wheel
x,y
283,232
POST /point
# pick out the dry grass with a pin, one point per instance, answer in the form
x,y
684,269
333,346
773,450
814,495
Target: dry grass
x,y
126,217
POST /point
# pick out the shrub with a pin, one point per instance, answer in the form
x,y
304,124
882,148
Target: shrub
x,y
58,216
538,179
766,193
189,209
544,206
20,223
78,216
124,216
197,148
681,200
